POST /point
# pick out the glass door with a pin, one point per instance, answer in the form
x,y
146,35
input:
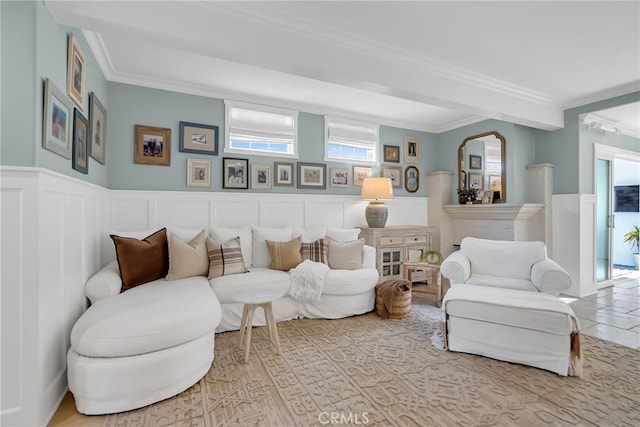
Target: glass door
x,y
604,220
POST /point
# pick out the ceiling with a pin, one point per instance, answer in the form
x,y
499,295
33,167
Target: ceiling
x,y
430,66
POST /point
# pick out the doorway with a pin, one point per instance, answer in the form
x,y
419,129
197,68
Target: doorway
x,y
616,171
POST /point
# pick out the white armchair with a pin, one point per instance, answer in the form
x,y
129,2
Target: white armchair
x,y
505,264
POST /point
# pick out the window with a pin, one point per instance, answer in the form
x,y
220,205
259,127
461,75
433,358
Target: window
x,y
351,141
260,130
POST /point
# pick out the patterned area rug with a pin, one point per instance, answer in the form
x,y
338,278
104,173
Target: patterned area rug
x,y
365,370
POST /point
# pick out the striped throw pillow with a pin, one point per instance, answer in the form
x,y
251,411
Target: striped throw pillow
x,y
317,251
224,258
284,255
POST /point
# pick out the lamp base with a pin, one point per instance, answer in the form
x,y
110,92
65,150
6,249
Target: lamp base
x,y
376,214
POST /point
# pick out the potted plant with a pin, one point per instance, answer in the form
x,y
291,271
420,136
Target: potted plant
x,y
467,195
431,257
633,237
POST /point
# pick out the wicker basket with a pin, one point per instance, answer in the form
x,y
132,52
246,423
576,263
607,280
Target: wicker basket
x,y
401,305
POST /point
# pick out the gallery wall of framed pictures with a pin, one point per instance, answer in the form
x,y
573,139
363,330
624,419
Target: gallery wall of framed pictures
x,y
189,150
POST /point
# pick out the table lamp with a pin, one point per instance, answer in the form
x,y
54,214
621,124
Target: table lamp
x,y
376,190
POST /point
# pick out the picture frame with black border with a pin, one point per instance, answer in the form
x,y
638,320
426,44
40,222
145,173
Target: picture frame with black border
x,y
199,172
312,175
97,129
80,156
411,179
198,138
57,121
475,162
260,176
235,173
152,145
339,177
76,72
394,173
391,153
283,175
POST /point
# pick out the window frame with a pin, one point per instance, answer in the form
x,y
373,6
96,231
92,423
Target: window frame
x,y
374,146
229,104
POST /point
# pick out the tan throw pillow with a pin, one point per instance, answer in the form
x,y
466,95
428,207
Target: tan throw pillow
x,y
317,251
188,259
225,258
284,255
142,261
347,255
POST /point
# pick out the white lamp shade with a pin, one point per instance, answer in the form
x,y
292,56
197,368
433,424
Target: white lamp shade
x,y
376,189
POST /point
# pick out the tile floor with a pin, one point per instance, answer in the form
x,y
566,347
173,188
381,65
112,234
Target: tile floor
x,y
613,314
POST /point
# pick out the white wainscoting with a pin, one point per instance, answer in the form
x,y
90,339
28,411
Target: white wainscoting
x,y
55,235
574,240
51,228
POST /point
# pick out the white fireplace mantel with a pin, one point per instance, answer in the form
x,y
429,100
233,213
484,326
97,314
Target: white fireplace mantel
x,y
494,211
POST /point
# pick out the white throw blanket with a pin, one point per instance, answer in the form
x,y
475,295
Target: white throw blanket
x,y
307,280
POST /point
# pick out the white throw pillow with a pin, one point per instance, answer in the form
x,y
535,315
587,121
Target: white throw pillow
x,y
310,234
224,234
260,251
343,234
185,234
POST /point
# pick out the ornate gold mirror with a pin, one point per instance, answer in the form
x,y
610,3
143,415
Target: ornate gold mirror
x,y
481,166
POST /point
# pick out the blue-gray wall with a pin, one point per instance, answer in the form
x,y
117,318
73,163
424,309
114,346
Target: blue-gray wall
x,y
34,47
519,147
571,149
41,50
131,105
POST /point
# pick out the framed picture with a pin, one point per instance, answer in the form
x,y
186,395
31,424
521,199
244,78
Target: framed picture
x,y
260,176
475,162
152,146
475,181
80,157
283,173
411,179
57,119
339,177
393,173
235,173
97,129
495,182
487,197
198,173
311,175
76,71
199,139
411,149
391,153
360,173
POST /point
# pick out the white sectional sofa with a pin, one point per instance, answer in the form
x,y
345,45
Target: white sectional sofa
x,y
155,340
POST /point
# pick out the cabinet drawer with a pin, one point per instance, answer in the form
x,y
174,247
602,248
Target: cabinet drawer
x,y
415,239
390,240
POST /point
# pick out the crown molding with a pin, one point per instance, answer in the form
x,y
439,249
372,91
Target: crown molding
x,y
99,50
343,39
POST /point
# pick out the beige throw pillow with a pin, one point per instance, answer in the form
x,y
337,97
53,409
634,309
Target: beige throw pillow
x,y
188,259
347,255
284,255
317,251
225,258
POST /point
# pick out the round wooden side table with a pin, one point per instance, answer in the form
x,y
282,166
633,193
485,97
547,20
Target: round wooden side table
x,y
253,299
